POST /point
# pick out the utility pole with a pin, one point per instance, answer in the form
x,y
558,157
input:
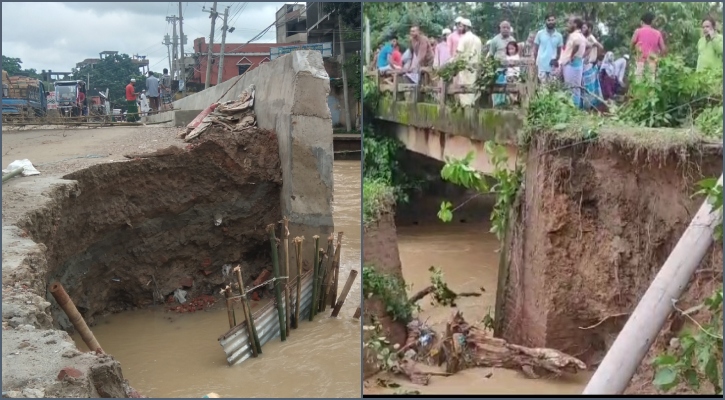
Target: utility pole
x,y
348,122
167,43
220,69
213,15
182,65
174,42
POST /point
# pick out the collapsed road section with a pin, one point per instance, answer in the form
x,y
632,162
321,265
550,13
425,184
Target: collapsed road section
x,y
120,233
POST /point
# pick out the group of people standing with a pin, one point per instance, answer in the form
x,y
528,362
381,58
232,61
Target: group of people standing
x,y
155,98
580,61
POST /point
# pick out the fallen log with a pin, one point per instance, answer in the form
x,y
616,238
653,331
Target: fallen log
x,y
466,346
449,295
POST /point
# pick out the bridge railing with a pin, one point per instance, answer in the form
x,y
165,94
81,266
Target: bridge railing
x,y
430,87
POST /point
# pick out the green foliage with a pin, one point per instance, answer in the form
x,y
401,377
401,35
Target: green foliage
x,y
506,183
13,66
380,163
674,98
699,354
442,295
396,18
112,73
382,354
391,291
709,122
378,198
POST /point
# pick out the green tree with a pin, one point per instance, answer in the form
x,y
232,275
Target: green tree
x,y
13,66
112,73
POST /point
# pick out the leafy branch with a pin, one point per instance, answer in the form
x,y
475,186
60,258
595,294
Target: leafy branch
x,y
506,183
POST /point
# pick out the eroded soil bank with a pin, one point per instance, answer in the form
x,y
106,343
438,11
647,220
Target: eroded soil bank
x,y
591,230
123,235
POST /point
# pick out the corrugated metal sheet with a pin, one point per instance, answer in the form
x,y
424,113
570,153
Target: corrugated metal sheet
x,y
236,341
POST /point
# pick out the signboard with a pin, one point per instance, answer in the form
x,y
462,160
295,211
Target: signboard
x,y
324,48
52,104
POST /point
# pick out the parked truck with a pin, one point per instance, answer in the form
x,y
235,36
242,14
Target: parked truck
x,y
23,97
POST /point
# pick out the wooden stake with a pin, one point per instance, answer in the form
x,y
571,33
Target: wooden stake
x,y
251,330
227,291
633,342
336,268
327,268
357,313
315,277
75,317
277,281
321,268
298,255
343,295
287,297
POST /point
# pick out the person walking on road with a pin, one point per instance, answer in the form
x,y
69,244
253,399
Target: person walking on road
x,y
166,91
709,47
131,107
152,92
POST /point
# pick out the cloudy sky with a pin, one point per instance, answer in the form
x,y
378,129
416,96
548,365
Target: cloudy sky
x,y
56,36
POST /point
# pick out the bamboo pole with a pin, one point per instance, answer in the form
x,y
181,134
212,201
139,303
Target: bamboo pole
x,y
345,291
227,291
357,313
621,361
315,273
336,268
66,304
13,174
287,297
251,329
329,274
321,268
327,271
298,255
277,281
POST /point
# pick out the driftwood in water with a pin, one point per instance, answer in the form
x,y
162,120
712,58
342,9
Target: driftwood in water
x,y
467,346
449,295
409,368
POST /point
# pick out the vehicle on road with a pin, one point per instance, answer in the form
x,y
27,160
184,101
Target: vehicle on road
x,y
23,97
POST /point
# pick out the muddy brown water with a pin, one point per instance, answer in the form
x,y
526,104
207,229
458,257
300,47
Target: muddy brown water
x,y
166,354
466,253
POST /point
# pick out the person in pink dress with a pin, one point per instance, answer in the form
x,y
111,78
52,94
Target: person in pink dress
x,y
453,38
649,43
442,53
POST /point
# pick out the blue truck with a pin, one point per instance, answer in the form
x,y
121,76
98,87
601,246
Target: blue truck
x,y
23,98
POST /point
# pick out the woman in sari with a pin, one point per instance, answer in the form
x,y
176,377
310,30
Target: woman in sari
x,y
608,76
590,74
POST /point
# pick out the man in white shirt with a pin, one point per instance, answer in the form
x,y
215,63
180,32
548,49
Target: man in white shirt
x,y
469,49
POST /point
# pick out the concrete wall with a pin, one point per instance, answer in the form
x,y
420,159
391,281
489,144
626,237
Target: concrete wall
x,y
291,100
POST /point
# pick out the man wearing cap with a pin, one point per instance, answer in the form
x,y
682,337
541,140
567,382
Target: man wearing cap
x,y
442,53
469,49
453,38
131,107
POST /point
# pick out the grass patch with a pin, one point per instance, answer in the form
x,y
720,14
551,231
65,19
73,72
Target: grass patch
x,y
391,291
378,199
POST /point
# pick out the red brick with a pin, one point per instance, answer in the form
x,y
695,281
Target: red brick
x,y
69,372
187,282
263,276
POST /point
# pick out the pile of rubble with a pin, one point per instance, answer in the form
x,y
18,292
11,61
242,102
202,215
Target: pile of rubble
x,y
233,116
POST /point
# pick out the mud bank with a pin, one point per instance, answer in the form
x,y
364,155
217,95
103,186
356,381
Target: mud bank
x,y
124,235
590,231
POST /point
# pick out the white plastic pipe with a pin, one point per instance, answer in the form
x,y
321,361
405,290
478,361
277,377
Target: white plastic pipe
x,y
633,342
